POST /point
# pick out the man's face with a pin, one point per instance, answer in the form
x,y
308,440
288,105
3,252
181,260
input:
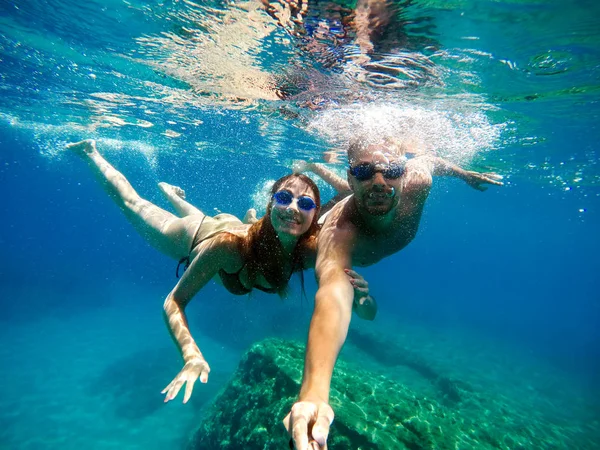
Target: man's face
x,y
375,178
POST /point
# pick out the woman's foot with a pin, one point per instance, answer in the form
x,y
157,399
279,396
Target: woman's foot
x,y
250,216
171,191
83,148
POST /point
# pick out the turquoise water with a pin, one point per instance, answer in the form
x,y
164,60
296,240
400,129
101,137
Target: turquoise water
x,y
499,289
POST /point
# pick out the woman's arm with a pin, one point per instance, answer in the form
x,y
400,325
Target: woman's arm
x,y
214,254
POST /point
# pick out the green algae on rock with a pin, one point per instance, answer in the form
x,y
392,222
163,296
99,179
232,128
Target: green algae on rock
x,y
372,411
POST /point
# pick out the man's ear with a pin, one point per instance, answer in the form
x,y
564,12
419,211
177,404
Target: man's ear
x,y
349,178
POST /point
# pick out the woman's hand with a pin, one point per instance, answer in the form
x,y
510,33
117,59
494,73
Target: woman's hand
x,y
194,368
360,285
364,306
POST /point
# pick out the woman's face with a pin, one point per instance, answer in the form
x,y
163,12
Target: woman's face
x,y
293,219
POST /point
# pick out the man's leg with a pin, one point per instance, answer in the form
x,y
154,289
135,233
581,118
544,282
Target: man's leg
x,y
176,197
166,232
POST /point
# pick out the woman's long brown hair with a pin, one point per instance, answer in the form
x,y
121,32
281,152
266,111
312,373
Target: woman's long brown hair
x,y
263,252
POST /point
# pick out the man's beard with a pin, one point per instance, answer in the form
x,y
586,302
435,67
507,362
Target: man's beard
x,y
380,209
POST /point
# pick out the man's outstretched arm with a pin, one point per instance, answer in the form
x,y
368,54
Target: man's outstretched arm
x,y
440,167
340,185
327,334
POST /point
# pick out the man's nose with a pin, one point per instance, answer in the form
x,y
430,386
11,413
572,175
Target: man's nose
x,y
379,180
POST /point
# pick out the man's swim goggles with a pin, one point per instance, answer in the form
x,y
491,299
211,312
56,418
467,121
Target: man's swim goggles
x,y
285,198
366,171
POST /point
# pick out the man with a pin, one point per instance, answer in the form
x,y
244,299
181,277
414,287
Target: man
x,y
379,219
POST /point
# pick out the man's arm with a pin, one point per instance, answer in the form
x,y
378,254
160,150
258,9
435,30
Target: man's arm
x,y
338,183
327,334
440,167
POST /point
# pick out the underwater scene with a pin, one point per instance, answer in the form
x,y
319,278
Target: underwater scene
x,y
160,268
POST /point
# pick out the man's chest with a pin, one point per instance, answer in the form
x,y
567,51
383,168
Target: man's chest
x,y
368,250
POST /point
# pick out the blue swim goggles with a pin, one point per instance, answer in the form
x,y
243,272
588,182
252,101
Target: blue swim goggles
x,y
366,171
285,198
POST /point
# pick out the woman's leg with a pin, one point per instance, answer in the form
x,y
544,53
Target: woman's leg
x,y
250,216
176,197
166,232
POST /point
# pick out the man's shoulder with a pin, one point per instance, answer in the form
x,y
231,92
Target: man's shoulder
x,y
339,218
337,232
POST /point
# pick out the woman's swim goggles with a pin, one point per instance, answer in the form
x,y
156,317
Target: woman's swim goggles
x,y
285,198
366,171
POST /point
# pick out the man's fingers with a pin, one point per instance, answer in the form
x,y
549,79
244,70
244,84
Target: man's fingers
x,y
492,178
320,429
286,423
296,425
300,433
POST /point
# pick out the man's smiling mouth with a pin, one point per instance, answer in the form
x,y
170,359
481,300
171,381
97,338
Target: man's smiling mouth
x,y
378,196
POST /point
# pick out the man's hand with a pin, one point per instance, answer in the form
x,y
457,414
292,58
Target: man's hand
x,y
476,179
301,166
193,369
308,425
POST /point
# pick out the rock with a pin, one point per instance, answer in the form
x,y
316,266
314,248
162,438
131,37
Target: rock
x,y
372,411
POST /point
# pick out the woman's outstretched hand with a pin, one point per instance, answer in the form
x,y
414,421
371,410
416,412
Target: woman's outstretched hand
x,y
195,368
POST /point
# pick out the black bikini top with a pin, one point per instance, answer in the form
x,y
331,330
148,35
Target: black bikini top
x,y
232,283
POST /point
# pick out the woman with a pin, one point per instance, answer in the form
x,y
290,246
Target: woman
x,y
260,255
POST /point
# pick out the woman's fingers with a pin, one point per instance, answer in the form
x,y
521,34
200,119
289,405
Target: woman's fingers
x,y
204,376
351,273
188,389
173,388
361,290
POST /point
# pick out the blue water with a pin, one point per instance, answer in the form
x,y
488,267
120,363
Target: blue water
x,y
500,287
